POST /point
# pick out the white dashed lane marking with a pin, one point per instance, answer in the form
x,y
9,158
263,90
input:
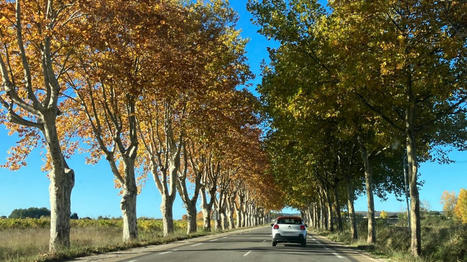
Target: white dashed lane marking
x,y
247,253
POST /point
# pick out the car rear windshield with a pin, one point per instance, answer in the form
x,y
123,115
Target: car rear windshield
x,y
289,221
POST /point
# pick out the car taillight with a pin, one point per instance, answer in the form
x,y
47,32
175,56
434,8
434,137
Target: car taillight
x,y
276,227
302,227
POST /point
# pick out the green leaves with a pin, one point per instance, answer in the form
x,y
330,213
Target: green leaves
x,y
355,72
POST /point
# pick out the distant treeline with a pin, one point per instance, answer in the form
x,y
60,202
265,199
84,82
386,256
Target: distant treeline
x,y
34,212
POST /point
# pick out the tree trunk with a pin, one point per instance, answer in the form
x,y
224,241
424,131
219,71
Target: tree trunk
x,y
309,217
62,180
328,206
315,215
314,218
255,217
243,218
350,206
128,207
371,238
223,220
167,214
206,208
230,213
61,184
243,211
231,219
206,219
415,243
191,218
238,221
324,217
190,203
128,203
219,221
248,215
318,216
340,227
329,213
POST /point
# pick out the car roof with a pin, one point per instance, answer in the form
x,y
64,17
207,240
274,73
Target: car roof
x,y
288,217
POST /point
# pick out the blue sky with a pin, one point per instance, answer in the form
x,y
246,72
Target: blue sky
x,y
94,193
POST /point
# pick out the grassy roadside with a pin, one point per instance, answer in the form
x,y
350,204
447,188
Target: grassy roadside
x,y
27,240
442,240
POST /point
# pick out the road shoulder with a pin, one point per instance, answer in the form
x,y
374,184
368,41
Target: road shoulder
x,y
355,254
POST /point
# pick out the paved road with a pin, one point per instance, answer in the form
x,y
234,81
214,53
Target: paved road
x,y
254,245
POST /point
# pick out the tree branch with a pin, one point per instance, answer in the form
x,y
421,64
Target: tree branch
x,y
379,112
24,60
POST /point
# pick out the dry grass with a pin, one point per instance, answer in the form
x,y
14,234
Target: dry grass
x,y
16,244
442,240
95,237
23,244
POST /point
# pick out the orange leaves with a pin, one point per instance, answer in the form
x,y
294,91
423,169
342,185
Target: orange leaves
x,y
17,154
162,74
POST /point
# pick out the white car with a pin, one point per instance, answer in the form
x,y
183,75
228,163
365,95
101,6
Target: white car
x,y
289,229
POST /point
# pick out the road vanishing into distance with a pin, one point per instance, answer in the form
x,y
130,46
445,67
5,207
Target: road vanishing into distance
x,y
252,245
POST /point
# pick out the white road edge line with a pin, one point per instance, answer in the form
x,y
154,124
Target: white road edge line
x,y
247,253
166,252
195,245
337,255
215,239
334,252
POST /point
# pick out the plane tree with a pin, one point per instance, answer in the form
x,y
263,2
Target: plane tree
x,y
306,84
115,67
35,47
403,61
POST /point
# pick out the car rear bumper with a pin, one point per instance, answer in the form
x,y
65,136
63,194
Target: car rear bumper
x,y
293,239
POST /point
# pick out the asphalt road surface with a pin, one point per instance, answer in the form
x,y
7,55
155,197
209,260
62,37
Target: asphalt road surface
x,y
253,245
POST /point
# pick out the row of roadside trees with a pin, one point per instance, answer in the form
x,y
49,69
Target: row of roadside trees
x,y
149,86
357,95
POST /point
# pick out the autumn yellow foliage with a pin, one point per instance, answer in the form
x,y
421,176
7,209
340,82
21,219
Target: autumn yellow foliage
x,y
448,200
460,210
383,215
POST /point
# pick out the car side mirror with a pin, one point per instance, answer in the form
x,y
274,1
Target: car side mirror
x,y
306,225
272,224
